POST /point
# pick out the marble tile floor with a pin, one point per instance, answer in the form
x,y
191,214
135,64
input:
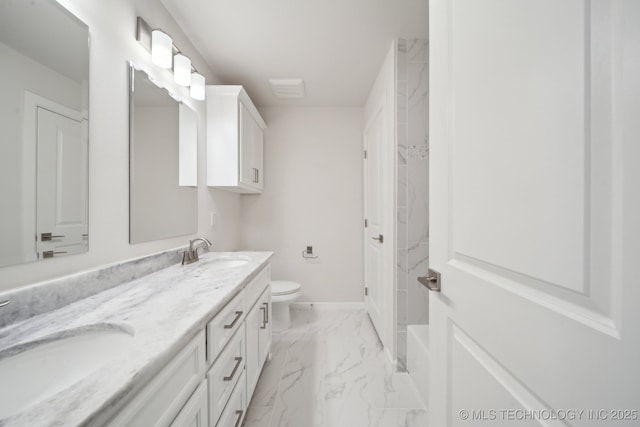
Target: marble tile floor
x,y
329,370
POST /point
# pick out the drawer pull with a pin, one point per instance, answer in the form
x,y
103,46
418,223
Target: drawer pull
x,y
264,317
266,310
235,369
232,324
239,413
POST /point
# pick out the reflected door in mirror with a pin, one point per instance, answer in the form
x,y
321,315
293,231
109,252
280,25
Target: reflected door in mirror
x,y
62,185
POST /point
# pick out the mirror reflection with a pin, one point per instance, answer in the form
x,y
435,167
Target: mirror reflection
x,y
163,144
44,80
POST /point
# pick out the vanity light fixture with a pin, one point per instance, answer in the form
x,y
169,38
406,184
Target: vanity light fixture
x,y
161,49
182,69
197,86
165,54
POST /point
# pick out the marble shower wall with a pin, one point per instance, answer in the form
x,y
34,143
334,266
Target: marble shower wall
x,y
412,201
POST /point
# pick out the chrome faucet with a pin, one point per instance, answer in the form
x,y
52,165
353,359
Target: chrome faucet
x,y
191,255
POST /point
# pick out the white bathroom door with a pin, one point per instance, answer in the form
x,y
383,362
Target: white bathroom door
x,y
373,210
61,184
535,212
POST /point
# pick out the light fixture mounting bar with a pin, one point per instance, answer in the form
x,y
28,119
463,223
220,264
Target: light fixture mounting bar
x,y
143,33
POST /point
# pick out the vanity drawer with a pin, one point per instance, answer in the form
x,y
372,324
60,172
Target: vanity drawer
x,y
159,402
224,374
224,325
255,288
234,412
196,411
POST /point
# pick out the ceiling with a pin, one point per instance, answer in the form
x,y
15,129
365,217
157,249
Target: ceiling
x,y
335,46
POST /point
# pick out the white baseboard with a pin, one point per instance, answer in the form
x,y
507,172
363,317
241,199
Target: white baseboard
x,y
331,305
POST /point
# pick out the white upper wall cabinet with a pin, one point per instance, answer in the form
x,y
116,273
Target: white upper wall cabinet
x,y
234,140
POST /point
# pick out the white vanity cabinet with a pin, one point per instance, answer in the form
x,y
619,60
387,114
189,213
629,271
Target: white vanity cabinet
x,y
210,382
234,140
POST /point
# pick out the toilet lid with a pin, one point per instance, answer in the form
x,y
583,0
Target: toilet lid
x,y
281,287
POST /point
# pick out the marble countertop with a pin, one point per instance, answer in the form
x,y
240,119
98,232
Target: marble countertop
x,y
164,309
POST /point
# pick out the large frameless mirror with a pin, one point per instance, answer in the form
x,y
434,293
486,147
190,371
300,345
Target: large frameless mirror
x,y
162,177
44,111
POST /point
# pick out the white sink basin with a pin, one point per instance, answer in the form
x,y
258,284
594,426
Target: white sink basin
x,y
36,370
222,263
226,263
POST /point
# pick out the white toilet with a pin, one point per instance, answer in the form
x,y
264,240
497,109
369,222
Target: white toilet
x,y
283,293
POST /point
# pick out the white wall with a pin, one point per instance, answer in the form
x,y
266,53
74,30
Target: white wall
x,y
112,29
312,196
412,196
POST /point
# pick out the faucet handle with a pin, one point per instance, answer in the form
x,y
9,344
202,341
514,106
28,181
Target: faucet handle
x,y
185,256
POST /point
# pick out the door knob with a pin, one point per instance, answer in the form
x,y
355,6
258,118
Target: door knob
x,y
431,281
380,238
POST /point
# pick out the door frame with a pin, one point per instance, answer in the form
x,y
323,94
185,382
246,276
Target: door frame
x,y
382,99
29,154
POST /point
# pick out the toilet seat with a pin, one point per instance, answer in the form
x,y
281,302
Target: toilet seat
x,y
281,287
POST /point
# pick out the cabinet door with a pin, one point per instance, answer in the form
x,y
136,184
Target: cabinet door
x,y
253,323
162,399
264,329
247,125
195,412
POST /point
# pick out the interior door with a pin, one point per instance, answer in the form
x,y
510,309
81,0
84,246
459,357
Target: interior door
x,y
373,235
61,185
535,212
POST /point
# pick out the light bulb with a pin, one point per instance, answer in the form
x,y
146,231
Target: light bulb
x,y
161,49
182,70
197,86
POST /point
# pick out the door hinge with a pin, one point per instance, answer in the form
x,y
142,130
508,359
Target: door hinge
x,y
366,291
366,223
365,154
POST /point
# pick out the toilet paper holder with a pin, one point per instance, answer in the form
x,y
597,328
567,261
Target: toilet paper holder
x,y
308,253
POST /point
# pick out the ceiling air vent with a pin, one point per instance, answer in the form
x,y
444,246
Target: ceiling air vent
x,y
289,88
